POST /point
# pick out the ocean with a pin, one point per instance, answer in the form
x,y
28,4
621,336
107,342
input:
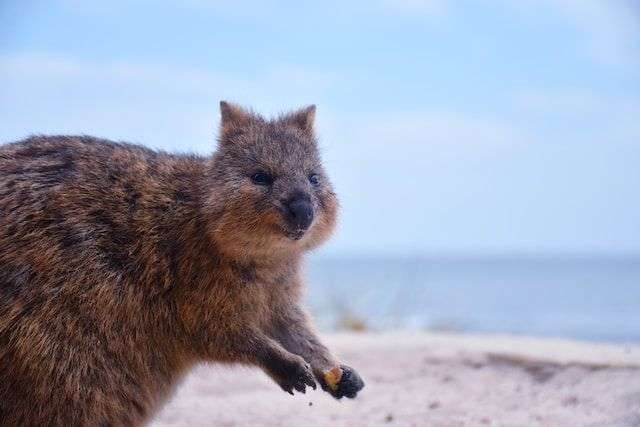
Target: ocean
x,y
590,298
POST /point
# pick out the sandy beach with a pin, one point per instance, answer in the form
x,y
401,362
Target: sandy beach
x,y
431,379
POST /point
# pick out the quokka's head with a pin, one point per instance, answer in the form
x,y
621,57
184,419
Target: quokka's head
x,y
268,188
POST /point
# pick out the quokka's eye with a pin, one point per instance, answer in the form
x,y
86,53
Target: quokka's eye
x,y
262,178
314,179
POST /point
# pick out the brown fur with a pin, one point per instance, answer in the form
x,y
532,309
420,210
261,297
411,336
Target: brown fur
x,y
122,267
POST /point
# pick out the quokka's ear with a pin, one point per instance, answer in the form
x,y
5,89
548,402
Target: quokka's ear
x,y
304,119
232,116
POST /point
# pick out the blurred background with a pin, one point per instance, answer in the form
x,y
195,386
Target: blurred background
x,y
487,154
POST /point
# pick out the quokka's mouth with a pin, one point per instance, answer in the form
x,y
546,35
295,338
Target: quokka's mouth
x,y
295,234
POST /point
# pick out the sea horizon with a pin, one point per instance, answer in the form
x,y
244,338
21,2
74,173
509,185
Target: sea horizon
x,y
593,297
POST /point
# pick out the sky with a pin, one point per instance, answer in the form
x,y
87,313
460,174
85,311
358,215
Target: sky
x,y
448,127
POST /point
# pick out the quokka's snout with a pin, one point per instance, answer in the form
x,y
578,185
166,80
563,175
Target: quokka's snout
x,y
299,213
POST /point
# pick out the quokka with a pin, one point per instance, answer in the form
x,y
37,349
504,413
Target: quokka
x,y
122,267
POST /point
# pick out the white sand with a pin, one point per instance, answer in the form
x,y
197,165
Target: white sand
x,y
435,380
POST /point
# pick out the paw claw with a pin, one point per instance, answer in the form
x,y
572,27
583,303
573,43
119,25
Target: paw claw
x,y
288,390
300,387
297,377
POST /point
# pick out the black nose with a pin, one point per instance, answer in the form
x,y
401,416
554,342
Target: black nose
x,y
300,213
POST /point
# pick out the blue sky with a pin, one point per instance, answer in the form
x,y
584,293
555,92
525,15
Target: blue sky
x,y
448,127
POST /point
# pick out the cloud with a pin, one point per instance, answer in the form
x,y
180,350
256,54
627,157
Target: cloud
x,y
559,102
419,140
576,102
423,6
585,115
161,77
611,28
437,128
163,106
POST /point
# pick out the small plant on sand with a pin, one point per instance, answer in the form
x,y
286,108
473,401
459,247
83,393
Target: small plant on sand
x,y
349,321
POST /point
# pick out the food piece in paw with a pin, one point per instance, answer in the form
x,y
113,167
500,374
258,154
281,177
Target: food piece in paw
x,y
332,378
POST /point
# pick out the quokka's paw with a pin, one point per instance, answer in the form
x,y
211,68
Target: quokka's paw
x,y
296,376
341,381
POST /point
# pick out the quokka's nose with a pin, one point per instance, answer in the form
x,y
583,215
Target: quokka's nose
x,y
300,213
